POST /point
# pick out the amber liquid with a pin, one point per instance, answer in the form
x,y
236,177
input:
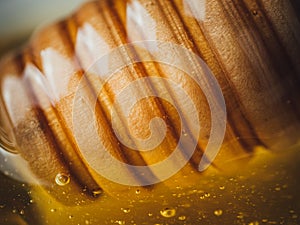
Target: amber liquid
x,y
265,190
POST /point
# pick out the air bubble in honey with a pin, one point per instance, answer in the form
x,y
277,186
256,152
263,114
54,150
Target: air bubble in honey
x,y
218,212
62,179
168,212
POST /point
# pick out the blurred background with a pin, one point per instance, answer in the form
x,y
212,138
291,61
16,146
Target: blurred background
x,y
18,18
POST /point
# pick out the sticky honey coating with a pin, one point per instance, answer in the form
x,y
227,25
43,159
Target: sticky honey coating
x,y
251,48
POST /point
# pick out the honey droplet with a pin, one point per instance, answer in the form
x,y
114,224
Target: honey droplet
x,y
218,212
125,210
168,212
62,179
240,215
52,210
182,218
222,187
254,223
185,134
97,192
207,195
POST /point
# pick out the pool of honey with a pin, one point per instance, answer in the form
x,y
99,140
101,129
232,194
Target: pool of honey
x,y
262,190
